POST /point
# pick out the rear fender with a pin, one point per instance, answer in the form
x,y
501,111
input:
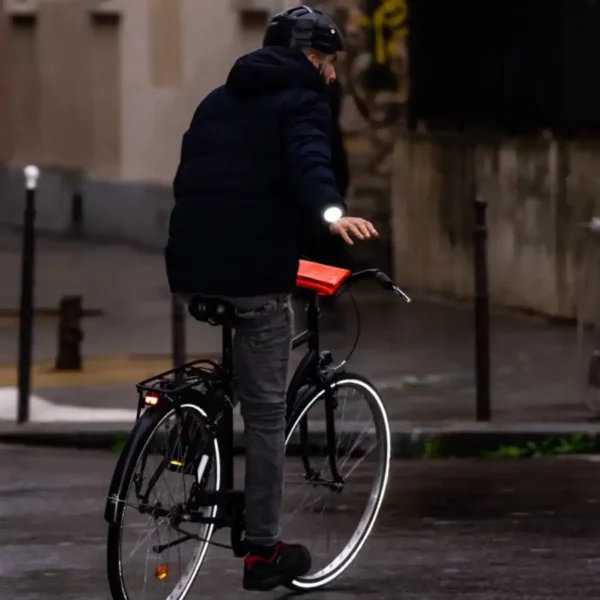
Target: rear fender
x,y
127,462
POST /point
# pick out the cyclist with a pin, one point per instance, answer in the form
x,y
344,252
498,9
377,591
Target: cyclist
x,y
256,162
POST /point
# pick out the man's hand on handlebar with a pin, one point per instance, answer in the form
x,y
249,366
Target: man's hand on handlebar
x,y
349,227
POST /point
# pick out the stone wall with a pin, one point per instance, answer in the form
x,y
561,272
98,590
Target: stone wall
x,y
374,73
100,102
539,192
416,187
110,122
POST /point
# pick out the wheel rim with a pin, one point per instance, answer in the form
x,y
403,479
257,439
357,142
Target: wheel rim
x,y
157,531
376,444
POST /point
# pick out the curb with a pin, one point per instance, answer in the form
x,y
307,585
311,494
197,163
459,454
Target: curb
x,y
457,440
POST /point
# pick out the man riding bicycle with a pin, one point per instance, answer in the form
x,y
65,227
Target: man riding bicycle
x,y
255,164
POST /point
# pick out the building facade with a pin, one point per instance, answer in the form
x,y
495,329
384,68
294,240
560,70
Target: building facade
x,y
99,92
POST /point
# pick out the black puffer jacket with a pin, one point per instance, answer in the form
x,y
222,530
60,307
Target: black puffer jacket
x,y
255,163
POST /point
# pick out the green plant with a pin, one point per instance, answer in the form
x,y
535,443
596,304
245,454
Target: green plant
x,y
577,444
119,444
433,448
505,452
551,446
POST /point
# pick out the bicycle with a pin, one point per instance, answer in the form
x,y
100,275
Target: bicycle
x,y
195,402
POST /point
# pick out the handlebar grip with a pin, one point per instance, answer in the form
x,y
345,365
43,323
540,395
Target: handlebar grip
x,y
384,281
381,278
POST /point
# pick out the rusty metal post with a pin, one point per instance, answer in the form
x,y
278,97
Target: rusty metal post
x,y
70,335
588,318
482,313
178,330
26,312
76,225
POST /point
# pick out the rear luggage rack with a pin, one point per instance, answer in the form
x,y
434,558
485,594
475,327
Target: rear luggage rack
x,y
181,379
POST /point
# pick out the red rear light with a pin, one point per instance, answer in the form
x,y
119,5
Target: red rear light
x,y
151,400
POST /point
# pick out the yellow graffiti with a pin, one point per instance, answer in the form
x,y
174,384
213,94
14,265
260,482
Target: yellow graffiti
x,y
390,15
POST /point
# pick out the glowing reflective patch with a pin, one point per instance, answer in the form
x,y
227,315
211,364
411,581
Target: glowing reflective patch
x,y
332,214
161,572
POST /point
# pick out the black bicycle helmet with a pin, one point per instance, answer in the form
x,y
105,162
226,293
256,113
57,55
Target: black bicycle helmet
x,y
304,27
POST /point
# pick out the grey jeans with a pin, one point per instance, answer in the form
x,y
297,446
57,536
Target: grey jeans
x,y
261,355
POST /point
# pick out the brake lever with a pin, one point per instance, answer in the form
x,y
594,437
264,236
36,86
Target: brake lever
x,y
400,293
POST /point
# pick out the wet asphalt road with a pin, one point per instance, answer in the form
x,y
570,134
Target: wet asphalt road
x,y
474,530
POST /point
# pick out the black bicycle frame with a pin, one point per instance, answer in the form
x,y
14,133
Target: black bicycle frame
x,y
309,371
309,363
306,372
228,499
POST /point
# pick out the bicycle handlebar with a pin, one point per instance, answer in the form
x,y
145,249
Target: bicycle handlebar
x,y
384,281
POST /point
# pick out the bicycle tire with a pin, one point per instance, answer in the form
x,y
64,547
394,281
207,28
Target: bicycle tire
x,y
147,426
362,532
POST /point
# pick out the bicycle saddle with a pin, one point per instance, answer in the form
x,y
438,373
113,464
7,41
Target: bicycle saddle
x,y
211,310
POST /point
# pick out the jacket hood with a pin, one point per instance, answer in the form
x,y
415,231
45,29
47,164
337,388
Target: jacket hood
x,y
335,93
272,69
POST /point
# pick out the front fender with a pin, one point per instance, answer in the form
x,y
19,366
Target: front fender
x,y
307,365
308,391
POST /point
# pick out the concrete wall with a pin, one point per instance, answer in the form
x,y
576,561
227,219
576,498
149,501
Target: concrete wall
x,y
416,187
539,193
5,87
100,102
174,53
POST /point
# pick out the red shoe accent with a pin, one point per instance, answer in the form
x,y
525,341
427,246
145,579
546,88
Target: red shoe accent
x,y
252,559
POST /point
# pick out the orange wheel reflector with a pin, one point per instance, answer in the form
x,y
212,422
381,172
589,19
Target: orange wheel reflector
x,y
161,572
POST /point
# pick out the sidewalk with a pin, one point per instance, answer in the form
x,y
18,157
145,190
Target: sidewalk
x,y
420,355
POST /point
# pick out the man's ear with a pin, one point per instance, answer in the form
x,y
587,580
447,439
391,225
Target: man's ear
x,y
314,60
312,57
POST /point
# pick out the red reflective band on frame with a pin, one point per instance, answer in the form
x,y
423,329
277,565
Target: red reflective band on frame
x,y
323,279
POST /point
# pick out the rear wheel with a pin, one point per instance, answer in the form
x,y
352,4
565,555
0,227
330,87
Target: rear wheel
x,y
334,521
153,552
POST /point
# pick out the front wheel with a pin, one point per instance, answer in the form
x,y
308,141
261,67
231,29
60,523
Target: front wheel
x,y
334,520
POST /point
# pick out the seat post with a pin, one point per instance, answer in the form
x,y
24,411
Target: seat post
x,y
312,319
226,433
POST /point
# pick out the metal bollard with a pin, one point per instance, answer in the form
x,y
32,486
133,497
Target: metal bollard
x,y
482,313
76,225
593,367
70,335
26,313
177,330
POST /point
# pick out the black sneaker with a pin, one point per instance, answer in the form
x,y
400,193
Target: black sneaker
x,y
266,568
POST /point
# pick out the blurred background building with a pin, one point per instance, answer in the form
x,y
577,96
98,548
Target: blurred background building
x,y
99,92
